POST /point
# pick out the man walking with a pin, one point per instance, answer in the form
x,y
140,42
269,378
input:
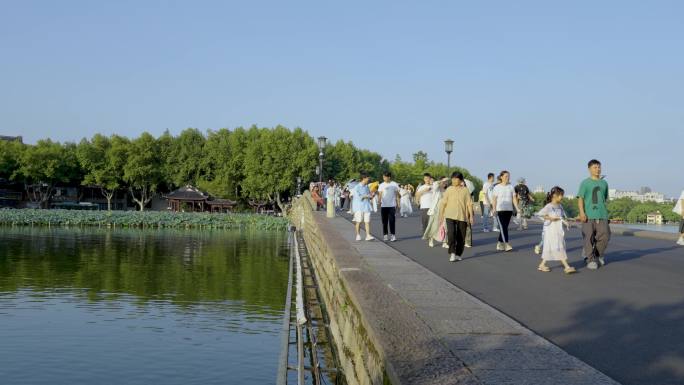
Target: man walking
x,y
424,196
389,201
362,207
486,203
592,197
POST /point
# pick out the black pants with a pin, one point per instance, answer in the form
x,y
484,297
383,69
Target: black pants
x,y
456,232
424,218
504,220
342,199
388,217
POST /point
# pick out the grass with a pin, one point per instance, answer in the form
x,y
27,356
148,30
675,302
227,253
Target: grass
x,y
145,219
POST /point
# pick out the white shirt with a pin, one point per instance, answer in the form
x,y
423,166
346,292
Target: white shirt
x,y
678,207
504,197
426,198
469,185
389,194
487,188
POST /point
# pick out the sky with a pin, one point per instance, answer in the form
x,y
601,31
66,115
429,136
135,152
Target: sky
x,y
534,87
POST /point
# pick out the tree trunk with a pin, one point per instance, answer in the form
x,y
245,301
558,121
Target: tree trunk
x,y
145,197
108,195
281,206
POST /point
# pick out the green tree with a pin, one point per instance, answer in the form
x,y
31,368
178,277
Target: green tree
x,y
10,157
275,159
185,158
103,168
620,208
143,169
640,212
45,164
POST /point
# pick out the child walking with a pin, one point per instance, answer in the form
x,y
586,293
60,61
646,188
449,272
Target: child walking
x,y
554,236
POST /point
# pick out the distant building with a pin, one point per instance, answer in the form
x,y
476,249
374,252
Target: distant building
x,y
655,218
645,197
12,138
539,190
645,189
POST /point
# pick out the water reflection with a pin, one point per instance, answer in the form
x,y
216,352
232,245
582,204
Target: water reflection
x,y
131,306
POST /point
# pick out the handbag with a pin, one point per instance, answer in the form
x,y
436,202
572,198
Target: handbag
x,y
442,233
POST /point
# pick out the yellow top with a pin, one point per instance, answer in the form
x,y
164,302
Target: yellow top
x,y
456,203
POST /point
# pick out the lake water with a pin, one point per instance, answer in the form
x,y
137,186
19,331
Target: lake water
x,y
640,226
140,307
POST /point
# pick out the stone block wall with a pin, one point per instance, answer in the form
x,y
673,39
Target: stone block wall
x,y
359,352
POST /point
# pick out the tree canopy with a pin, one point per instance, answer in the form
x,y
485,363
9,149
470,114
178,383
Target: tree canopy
x,y
241,164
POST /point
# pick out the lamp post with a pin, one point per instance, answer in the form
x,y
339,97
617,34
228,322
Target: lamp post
x,y
448,148
321,146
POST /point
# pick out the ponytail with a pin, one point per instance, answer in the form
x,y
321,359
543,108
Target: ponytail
x,y
554,191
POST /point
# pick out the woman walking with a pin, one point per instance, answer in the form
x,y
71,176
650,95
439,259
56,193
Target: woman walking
x,y
456,207
503,202
554,236
434,232
406,208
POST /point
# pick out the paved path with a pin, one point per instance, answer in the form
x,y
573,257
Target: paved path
x,y
626,319
437,334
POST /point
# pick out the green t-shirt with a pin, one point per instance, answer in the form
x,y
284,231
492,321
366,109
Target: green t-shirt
x,y
595,195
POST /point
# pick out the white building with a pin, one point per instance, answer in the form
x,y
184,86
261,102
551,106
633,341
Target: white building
x,y
539,189
646,197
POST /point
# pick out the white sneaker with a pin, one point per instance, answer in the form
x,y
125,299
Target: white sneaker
x,y
453,258
431,243
497,230
393,238
537,250
358,237
467,245
680,242
508,247
369,237
385,238
445,245
500,246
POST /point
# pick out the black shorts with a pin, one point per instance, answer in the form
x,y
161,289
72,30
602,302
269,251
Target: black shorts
x,y
681,226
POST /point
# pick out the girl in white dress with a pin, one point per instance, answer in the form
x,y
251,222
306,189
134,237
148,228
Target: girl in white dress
x,y
405,208
554,236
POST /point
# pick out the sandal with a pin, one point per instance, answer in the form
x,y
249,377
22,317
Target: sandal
x,y
569,270
544,269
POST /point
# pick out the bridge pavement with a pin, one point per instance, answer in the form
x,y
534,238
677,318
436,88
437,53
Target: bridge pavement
x,y
626,319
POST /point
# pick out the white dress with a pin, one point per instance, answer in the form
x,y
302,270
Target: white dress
x,y
554,235
405,208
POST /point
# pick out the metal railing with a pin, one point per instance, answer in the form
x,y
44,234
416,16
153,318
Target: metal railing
x,y
306,324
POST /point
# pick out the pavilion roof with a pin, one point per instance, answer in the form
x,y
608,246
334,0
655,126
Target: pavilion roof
x,y
188,193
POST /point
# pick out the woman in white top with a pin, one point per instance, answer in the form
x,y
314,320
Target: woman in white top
x,y
679,209
432,232
503,202
406,208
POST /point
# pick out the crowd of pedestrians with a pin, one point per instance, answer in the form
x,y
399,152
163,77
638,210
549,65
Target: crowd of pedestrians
x,y
445,206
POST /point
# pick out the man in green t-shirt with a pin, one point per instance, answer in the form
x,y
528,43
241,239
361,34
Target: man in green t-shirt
x,y
592,197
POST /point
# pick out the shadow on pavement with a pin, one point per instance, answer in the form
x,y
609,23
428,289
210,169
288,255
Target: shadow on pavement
x,y
611,327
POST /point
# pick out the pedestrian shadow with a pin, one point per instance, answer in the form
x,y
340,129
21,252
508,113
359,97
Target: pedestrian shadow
x,y
634,345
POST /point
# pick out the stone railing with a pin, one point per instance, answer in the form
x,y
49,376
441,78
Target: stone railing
x,y
359,352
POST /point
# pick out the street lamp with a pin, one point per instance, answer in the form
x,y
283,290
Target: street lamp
x,y
448,148
321,146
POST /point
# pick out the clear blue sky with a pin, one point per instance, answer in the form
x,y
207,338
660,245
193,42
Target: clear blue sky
x,y
536,87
